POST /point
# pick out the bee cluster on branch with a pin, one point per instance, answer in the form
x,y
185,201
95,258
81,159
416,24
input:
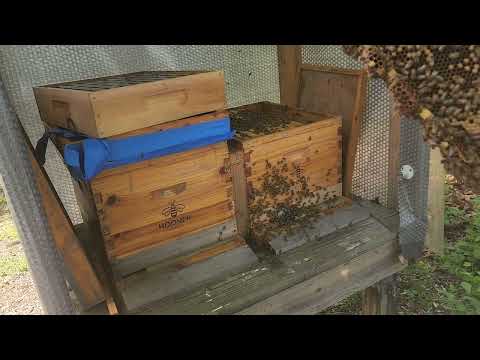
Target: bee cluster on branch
x,y
440,85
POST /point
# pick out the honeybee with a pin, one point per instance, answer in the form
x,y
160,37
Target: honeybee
x,y
173,209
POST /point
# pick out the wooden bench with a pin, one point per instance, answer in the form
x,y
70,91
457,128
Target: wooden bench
x,y
304,280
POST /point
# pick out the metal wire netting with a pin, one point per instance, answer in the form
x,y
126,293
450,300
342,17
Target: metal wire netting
x,y
251,74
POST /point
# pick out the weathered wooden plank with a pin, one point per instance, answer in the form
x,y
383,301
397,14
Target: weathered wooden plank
x,y
272,276
285,243
319,292
175,248
387,217
339,92
289,61
349,215
323,226
111,282
435,240
80,270
112,308
157,284
239,190
380,299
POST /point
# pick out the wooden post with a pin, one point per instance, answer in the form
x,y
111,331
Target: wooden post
x,y
379,299
435,240
289,61
84,279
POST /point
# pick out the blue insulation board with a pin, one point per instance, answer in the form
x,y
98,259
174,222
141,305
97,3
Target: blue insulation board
x,y
90,156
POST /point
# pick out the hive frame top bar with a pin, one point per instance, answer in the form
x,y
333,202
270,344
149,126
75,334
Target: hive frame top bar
x,y
293,117
121,80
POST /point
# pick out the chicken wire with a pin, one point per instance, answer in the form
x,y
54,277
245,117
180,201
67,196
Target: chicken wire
x,y
370,176
251,75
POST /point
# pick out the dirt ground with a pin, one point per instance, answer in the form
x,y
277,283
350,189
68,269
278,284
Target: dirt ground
x,y
18,295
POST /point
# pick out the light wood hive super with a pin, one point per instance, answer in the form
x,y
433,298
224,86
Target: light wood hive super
x,y
277,153
114,105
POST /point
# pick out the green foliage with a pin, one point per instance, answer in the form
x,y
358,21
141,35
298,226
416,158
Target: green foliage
x,y
8,231
454,216
420,286
3,200
463,261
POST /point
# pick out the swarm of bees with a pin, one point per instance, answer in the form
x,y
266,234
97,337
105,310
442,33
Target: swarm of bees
x,y
285,201
440,86
246,120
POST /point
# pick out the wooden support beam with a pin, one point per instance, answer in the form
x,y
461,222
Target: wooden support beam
x,y
112,308
289,61
435,240
380,299
81,273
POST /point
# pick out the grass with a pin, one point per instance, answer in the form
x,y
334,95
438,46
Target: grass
x,y
462,260
12,261
8,231
13,265
3,202
420,291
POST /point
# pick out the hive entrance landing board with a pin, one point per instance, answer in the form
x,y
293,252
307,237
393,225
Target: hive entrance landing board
x,y
339,92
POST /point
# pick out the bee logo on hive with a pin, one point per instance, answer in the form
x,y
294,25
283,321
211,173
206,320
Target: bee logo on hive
x,y
173,209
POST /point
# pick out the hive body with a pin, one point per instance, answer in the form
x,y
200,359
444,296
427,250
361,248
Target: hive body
x,y
168,206
286,167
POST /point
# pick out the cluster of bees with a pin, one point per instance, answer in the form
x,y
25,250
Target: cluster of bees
x,y
246,121
440,85
284,201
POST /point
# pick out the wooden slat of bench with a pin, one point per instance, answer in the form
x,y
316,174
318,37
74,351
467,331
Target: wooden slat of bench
x,y
387,217
330,287
180,246
316,259
158,283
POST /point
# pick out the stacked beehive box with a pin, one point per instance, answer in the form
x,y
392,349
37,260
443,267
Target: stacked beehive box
x,y
286,166
170,209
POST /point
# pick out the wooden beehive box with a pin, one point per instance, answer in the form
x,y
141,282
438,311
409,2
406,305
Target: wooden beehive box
x,y
163,207
113,105
286,167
